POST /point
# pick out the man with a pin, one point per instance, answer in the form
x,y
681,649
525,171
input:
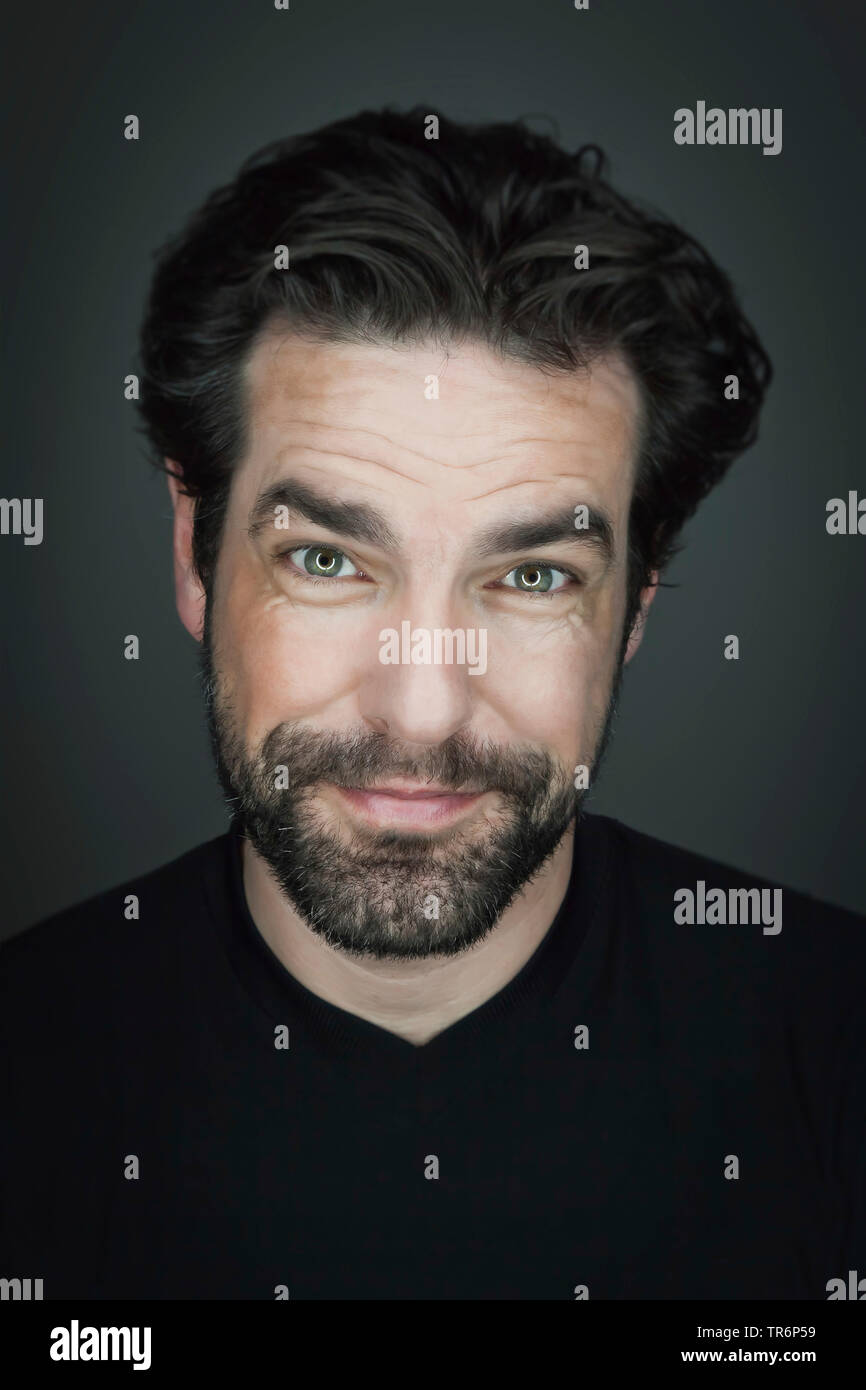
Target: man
x,y
434,403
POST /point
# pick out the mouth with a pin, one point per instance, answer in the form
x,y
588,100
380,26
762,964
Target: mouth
x,y
402,803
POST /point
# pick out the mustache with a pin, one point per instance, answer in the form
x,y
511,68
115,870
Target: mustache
x,y
525,774
459,763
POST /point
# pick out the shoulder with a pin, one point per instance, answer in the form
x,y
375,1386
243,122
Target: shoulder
x,y
656,862
87,948
725,919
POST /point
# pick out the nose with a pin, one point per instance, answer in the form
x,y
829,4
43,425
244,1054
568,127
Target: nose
x,y
418,687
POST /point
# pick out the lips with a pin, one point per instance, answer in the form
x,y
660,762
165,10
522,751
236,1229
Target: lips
x,y
411,791
408,804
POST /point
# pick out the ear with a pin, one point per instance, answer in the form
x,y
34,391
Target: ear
x,y
188,592
646,598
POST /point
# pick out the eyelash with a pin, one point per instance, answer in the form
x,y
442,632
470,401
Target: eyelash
x,y
284,558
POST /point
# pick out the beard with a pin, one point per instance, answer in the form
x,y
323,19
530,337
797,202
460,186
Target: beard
x,y
392,894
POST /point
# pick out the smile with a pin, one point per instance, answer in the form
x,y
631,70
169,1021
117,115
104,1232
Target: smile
x,y
403,805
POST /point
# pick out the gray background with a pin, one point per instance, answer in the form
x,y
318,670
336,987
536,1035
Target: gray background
x,y
106,770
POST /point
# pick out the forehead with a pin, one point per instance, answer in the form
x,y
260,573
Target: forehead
x,y
462,417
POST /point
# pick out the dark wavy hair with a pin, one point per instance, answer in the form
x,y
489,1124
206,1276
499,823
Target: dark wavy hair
x,y
397,238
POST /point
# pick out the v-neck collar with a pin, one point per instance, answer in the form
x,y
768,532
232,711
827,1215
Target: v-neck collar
x,y
354,1043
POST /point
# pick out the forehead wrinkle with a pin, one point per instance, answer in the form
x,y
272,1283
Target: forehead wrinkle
x,y
351,458
350,480
399,448
378,434
524,482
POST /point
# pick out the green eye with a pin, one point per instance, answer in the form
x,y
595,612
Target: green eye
x,y
535,579
323,561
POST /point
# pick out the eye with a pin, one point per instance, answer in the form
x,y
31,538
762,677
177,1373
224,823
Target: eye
x,y
321,562
538,579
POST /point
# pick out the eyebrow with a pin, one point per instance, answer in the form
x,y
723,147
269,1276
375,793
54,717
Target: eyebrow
x,y
356,519
527,534
359,521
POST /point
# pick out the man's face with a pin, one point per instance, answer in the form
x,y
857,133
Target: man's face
x,y
405,475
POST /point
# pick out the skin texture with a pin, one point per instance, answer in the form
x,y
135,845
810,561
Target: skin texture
x,y
502,441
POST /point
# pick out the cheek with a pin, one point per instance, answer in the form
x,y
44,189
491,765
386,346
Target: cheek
x,y
276,662
553,687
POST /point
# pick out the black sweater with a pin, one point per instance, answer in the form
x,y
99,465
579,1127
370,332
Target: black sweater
x,y
650,1109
